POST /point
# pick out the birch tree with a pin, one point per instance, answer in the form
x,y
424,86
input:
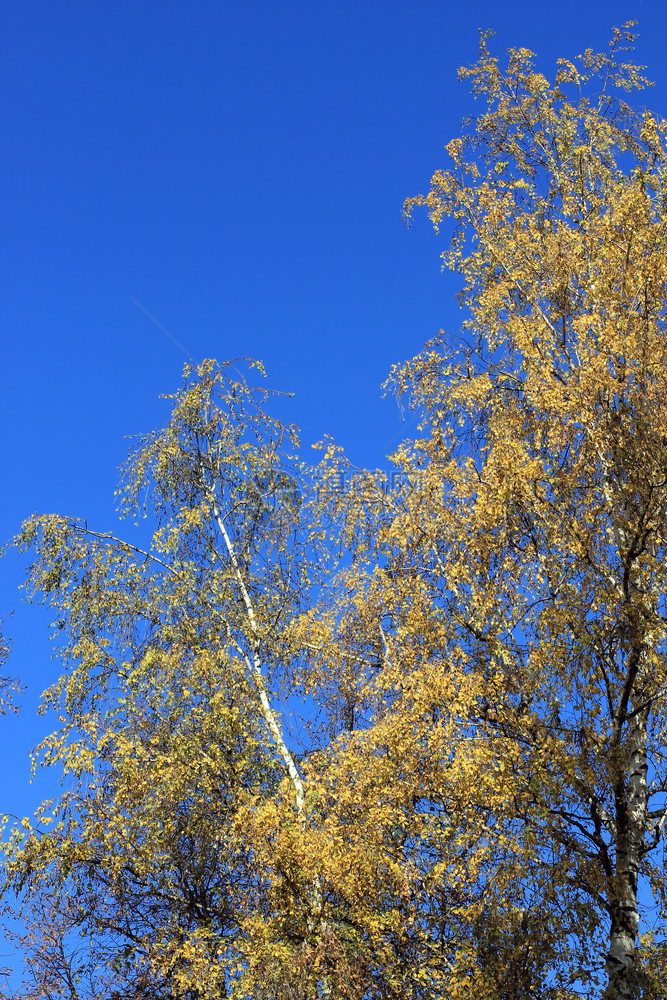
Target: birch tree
x,y
143,876
513,584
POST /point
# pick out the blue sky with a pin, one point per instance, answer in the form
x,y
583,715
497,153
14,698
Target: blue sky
x,y
238,169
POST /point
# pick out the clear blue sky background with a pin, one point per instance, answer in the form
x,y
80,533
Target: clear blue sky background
x,y
239,169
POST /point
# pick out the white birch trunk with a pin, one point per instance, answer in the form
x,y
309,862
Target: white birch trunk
x,y
254,662
631,818
255,665
630,768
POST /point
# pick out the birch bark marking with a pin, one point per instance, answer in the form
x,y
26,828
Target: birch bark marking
x,y
256,665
